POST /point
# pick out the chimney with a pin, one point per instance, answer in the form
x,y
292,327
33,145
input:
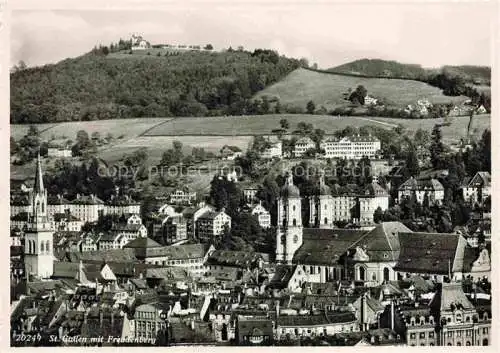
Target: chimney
x,y
85,316
101,317
112,317
277,308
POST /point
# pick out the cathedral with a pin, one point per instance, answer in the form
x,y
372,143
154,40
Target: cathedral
x,y
372,255
39,235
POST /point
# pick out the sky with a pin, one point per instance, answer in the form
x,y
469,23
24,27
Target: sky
x,y
431,35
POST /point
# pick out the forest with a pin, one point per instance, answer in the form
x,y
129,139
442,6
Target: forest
x,y
98,86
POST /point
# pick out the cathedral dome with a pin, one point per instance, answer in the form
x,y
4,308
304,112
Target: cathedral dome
x,y
290,191
324,190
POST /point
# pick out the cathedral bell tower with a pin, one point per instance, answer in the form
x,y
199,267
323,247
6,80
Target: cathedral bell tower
x,y
39,236
321,206
289,231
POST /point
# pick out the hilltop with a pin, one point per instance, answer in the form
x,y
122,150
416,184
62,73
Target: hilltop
x,y
110,85
393,69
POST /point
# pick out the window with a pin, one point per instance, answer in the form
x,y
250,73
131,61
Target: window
x,y
431,334
413,336
422,335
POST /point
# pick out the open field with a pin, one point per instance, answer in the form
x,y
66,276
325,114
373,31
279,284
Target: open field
x,y
250,125
156,145
118,127
326,89
454,132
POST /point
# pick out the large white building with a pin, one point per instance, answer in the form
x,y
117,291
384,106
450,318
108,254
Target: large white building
x,y
354,147
346,204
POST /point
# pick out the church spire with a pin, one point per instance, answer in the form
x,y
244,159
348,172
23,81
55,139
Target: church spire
x,y
38,187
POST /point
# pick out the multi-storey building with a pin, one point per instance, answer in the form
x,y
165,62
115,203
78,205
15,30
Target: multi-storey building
x,y
354,147
263,215
183,196
191,257
422,188
302,145
460,323
274,150
210,225
477,188
346,204
175,229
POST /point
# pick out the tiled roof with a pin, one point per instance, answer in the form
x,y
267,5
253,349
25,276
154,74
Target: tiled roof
x,y
87,200
20,200
142,242
282,276
20,217
325,246
233,258
451,295
374,189
435,253
65,269
168,273
179,252
382,243
316,320
304,141
254,327
112,255
125,227
421,185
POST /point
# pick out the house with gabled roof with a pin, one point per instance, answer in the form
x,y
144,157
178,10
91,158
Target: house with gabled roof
x,y
230,153
422,188
302,145
478,188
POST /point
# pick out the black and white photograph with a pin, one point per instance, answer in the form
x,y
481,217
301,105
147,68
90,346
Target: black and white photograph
x,y
251,174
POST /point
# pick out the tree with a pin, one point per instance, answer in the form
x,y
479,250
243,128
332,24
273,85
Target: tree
x,y
284,124
358,96
437,148
208,47
378,215
311,107
412,164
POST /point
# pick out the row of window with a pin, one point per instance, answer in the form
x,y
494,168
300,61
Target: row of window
x,y
422,335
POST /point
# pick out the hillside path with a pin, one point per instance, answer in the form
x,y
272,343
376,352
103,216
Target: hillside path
x,y
375,121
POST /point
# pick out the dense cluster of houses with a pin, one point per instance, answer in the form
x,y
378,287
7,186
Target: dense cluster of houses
x,y
374,284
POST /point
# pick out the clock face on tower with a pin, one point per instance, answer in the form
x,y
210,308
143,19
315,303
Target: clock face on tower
x,y
295,238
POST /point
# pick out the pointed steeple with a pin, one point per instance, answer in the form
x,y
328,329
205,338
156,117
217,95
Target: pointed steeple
x,y
38,187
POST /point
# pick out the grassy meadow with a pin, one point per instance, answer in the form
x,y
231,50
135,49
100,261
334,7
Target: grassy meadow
x,y
327,90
